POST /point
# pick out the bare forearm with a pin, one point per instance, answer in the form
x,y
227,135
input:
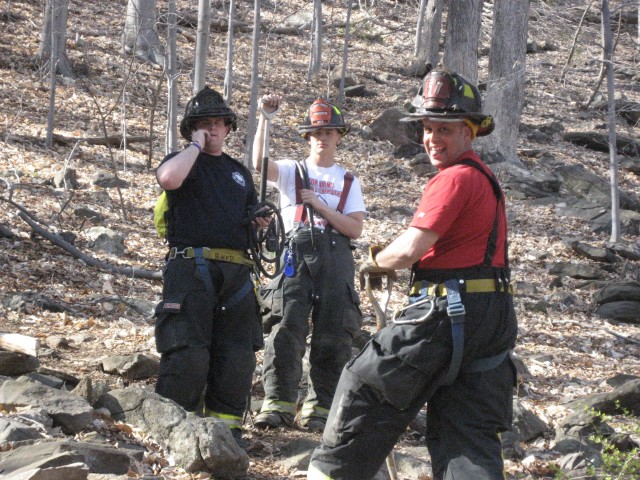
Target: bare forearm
x,y
348,225
172,173
408,248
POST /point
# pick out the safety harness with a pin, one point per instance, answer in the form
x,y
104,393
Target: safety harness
x,y
429,293
202,254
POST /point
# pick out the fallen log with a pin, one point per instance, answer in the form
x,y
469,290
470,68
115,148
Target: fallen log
x,y
16,342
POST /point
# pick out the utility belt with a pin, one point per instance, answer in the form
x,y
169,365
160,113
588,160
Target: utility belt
x,y
218,254
428,298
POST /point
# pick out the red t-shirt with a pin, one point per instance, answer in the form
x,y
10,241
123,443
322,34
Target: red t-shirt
x,y
460,206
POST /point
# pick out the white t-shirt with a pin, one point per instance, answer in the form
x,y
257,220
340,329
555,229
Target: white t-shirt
x,y
327,183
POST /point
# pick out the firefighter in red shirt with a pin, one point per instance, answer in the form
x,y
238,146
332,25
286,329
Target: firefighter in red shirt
x,y
449,348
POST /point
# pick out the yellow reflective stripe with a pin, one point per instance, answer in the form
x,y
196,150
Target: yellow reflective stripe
x,y
231,421
314,474
278,406
479,285
309,411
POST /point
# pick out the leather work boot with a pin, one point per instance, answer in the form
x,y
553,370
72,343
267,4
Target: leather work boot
x,y
314,425
266,420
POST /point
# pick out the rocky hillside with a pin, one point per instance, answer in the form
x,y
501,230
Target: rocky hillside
x,y
570,344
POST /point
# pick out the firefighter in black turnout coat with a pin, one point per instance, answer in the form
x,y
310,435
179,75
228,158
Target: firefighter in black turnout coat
x,y
449,347
208,326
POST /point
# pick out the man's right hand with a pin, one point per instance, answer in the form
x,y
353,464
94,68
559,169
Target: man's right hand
x,y
270,103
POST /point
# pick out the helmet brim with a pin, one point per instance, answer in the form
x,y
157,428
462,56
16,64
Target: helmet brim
x,y
485,123
306,130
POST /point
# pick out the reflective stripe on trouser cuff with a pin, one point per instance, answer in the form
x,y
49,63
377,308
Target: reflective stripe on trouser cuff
x,y
278,406
231,421
314,474
313,411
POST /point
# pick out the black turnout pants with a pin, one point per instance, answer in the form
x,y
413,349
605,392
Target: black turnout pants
x,y
207,339
323,289
400,370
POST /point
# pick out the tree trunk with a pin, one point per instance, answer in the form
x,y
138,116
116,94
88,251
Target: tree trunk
x,y
428,34
607,57
171,144
345,53
140,36
53,50
255,80
462,38
55,19
315,59
507,68
202,45
228,77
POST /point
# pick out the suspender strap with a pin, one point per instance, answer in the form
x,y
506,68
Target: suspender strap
x,y
201,263
497,191
456,312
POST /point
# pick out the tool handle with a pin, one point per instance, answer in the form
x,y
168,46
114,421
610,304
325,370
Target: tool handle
x,y
267,115
381,310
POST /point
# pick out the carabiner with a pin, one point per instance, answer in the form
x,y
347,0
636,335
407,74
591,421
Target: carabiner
x,y
415,321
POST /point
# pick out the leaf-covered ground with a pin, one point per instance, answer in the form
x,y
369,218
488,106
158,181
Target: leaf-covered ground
x,y
564,345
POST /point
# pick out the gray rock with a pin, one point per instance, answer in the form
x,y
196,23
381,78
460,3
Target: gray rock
x,y
98,458
106,240
618,291
591,252
584,184
69,412
132,367
71,471
16,363
88,214
575,270
624,398
387,126
67,179
526,424
107,180
197,444
13,431
627,311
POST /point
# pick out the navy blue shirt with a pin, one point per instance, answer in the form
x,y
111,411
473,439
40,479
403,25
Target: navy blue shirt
x,y
210,207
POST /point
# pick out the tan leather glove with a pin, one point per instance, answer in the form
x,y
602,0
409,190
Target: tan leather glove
x,y
375,272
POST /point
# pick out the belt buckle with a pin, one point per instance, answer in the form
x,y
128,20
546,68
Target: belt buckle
x,y
172,253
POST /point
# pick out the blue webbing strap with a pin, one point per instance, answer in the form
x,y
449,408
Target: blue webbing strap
x,y
239,295
489,363
201,263
455,310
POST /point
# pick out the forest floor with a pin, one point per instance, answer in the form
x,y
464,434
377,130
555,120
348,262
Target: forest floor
x,y
566,347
